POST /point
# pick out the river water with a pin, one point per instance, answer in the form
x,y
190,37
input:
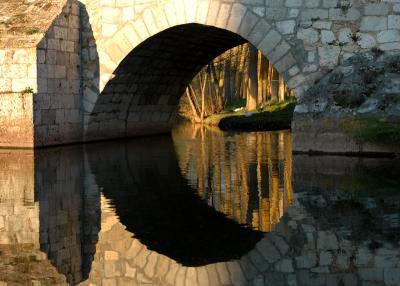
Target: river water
x,y
200,207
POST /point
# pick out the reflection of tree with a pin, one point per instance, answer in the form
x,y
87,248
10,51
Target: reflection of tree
x,y
247,177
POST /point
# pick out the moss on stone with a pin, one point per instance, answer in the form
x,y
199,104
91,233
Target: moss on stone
x,y
373,130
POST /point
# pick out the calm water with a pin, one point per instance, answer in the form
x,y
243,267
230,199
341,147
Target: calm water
x,y
200,208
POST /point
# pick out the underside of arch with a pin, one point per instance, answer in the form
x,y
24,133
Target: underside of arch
x,y
143,96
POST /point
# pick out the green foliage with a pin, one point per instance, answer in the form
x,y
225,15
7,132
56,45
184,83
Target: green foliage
x,y
354,37
32,31
344,6
373,130
270,117
27,90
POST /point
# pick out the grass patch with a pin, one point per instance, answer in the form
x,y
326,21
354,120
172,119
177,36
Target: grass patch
x,y
32,31
274,116
373,130
235,104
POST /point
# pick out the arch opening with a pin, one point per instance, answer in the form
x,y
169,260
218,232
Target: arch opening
x,y
143,96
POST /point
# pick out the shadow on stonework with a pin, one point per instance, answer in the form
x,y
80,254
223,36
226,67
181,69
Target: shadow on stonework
x,y
143,95
142,180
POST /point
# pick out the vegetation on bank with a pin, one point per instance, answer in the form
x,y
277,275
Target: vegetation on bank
x,y
240,80
373,130
274,116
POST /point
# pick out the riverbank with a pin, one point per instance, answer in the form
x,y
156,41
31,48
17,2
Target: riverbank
x,y
272,117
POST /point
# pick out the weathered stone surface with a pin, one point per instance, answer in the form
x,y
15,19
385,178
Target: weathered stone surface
x,y
72,64
327,241
267,249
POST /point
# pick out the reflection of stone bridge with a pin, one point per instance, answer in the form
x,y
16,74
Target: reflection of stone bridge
x,y
105,69
73,233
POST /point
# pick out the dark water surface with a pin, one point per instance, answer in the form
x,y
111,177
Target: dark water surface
x,y
202,207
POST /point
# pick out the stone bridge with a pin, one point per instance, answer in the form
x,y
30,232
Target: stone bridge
x,y
74,71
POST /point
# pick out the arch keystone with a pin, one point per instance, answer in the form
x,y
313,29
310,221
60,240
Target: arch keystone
x,y
236,17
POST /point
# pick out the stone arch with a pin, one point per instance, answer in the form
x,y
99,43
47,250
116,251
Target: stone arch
x,y
235,20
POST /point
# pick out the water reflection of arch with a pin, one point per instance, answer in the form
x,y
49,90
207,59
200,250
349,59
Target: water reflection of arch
x,y
142,179
296,253
301,250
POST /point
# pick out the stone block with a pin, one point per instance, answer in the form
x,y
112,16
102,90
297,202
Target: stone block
x,y
269,42
393,22
392,276
328,56
15,71
107,30
388,36
314,14
284,265
236,17
344,35
294,13
275,13
223,15
286,27
60,33
325,258
327,241
258,34
248,23
150,22
338,15
309,35
327,37
330,3
293,3
322,25
389,46
308,260
374,23
366,41
378,9
371,274
268,250
312,3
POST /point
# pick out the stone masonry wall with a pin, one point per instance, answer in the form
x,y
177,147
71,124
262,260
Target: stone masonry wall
x,y
17,83
57,104
304,39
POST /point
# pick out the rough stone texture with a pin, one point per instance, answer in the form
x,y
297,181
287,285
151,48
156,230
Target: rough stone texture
x,y
364,85
87,100
16,120
57,103
23,23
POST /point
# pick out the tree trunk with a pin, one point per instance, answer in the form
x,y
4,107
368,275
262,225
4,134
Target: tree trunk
x,y
252,85
281,89
260,86
274,85
194,109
